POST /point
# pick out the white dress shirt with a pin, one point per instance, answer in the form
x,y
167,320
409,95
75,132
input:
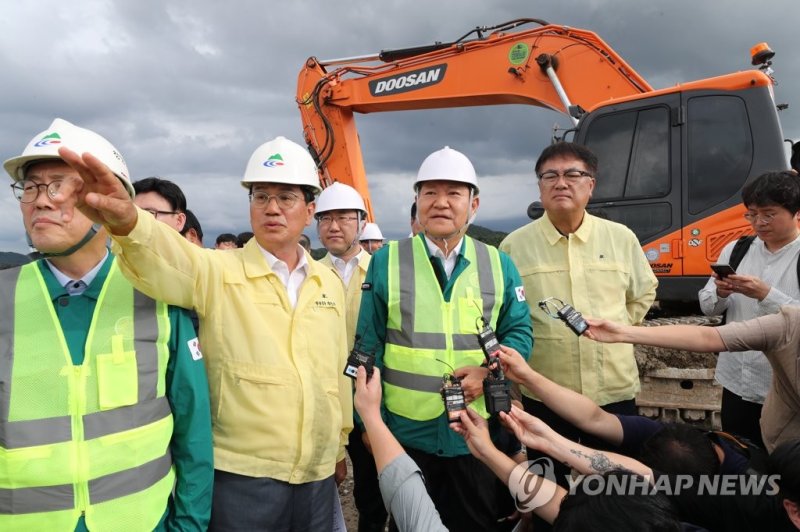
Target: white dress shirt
x,y
748,374
291,280
346,267
448,261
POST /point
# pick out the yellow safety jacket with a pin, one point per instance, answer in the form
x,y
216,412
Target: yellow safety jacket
x,y
426,336
93,438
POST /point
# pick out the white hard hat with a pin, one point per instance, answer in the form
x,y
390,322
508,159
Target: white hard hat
x,y
281,161
447,164
371,232
45,146
339,196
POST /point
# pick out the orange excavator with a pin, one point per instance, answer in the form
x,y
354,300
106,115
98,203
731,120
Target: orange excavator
x,y
672,161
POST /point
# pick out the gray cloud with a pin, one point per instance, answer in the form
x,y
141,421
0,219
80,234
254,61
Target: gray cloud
x,y
187,89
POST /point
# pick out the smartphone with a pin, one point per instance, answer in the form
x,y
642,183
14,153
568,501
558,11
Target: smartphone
x,y
723,270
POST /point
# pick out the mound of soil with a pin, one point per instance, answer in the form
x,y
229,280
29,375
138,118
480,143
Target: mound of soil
x,y
650,358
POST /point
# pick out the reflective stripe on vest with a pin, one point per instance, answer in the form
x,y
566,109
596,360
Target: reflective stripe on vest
x,y
108,487
412,373
99,411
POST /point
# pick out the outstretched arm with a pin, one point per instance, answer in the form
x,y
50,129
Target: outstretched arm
x,y
399,478
536,434
544,499
367,400
568,404
689,337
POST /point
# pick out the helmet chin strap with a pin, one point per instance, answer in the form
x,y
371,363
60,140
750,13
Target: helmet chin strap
x,y
455,233
356,240
72,249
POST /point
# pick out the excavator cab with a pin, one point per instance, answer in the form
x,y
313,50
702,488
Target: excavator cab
x,y
672,167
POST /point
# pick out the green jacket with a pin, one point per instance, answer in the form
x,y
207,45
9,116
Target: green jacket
x,y
513,330
187,392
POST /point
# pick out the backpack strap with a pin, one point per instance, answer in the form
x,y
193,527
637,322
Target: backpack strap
x,y
740,250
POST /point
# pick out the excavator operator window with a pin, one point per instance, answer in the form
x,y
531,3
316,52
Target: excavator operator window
x,y
720,149
633,151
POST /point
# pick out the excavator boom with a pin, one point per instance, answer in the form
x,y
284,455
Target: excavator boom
x,y
500,68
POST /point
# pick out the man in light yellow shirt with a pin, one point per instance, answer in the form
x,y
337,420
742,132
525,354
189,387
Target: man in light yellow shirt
x,y
341,216
595,265
272,324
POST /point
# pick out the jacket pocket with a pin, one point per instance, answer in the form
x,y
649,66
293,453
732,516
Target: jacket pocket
x,y
117,379
257,413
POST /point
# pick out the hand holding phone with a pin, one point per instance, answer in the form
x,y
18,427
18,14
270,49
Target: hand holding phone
x,y
723,270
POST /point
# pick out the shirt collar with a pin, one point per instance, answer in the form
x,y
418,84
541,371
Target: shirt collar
x,y
274,261
98,273
87,279
434,250
341,263
553,235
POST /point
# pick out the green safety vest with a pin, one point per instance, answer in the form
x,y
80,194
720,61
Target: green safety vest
x,y
426,336
91,439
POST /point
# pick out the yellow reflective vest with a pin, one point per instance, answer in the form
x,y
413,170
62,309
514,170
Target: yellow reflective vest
x,y
426,336
92,438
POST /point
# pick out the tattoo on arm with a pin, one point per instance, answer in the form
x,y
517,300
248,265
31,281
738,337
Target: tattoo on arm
x,y
598,461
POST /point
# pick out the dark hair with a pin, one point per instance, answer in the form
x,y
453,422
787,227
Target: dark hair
x,y
226,237
595,506
305,241
414,210
773,188
785,461
192,223
164,188
679,448
794,162
243,238
568,149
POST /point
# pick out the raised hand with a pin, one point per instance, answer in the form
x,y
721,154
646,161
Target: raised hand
x,y
514,366
475,431
367,399
101,196
530,430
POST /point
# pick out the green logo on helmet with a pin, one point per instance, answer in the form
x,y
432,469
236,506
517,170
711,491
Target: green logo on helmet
x,y
274,160
49,140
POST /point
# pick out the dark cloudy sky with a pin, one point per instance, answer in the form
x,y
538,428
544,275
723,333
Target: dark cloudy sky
x,y
187,90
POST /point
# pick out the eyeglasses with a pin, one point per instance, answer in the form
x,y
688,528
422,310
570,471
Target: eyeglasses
x,y
156,212
27,191
285,200
342,219
571,175
753,218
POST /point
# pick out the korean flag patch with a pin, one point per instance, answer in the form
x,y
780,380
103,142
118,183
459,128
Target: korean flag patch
x,y
194,349
520,290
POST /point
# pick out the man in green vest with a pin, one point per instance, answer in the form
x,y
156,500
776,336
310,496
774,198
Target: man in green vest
x,y
424,300
104,411
341,216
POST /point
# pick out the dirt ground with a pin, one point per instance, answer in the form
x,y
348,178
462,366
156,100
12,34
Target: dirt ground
x,y
346,497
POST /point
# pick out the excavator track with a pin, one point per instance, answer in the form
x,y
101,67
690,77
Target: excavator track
x,y
679,385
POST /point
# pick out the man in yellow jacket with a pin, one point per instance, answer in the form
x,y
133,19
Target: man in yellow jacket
x,y
272,324
341,216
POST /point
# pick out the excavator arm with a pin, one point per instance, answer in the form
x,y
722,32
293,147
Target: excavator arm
x,y
565,69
